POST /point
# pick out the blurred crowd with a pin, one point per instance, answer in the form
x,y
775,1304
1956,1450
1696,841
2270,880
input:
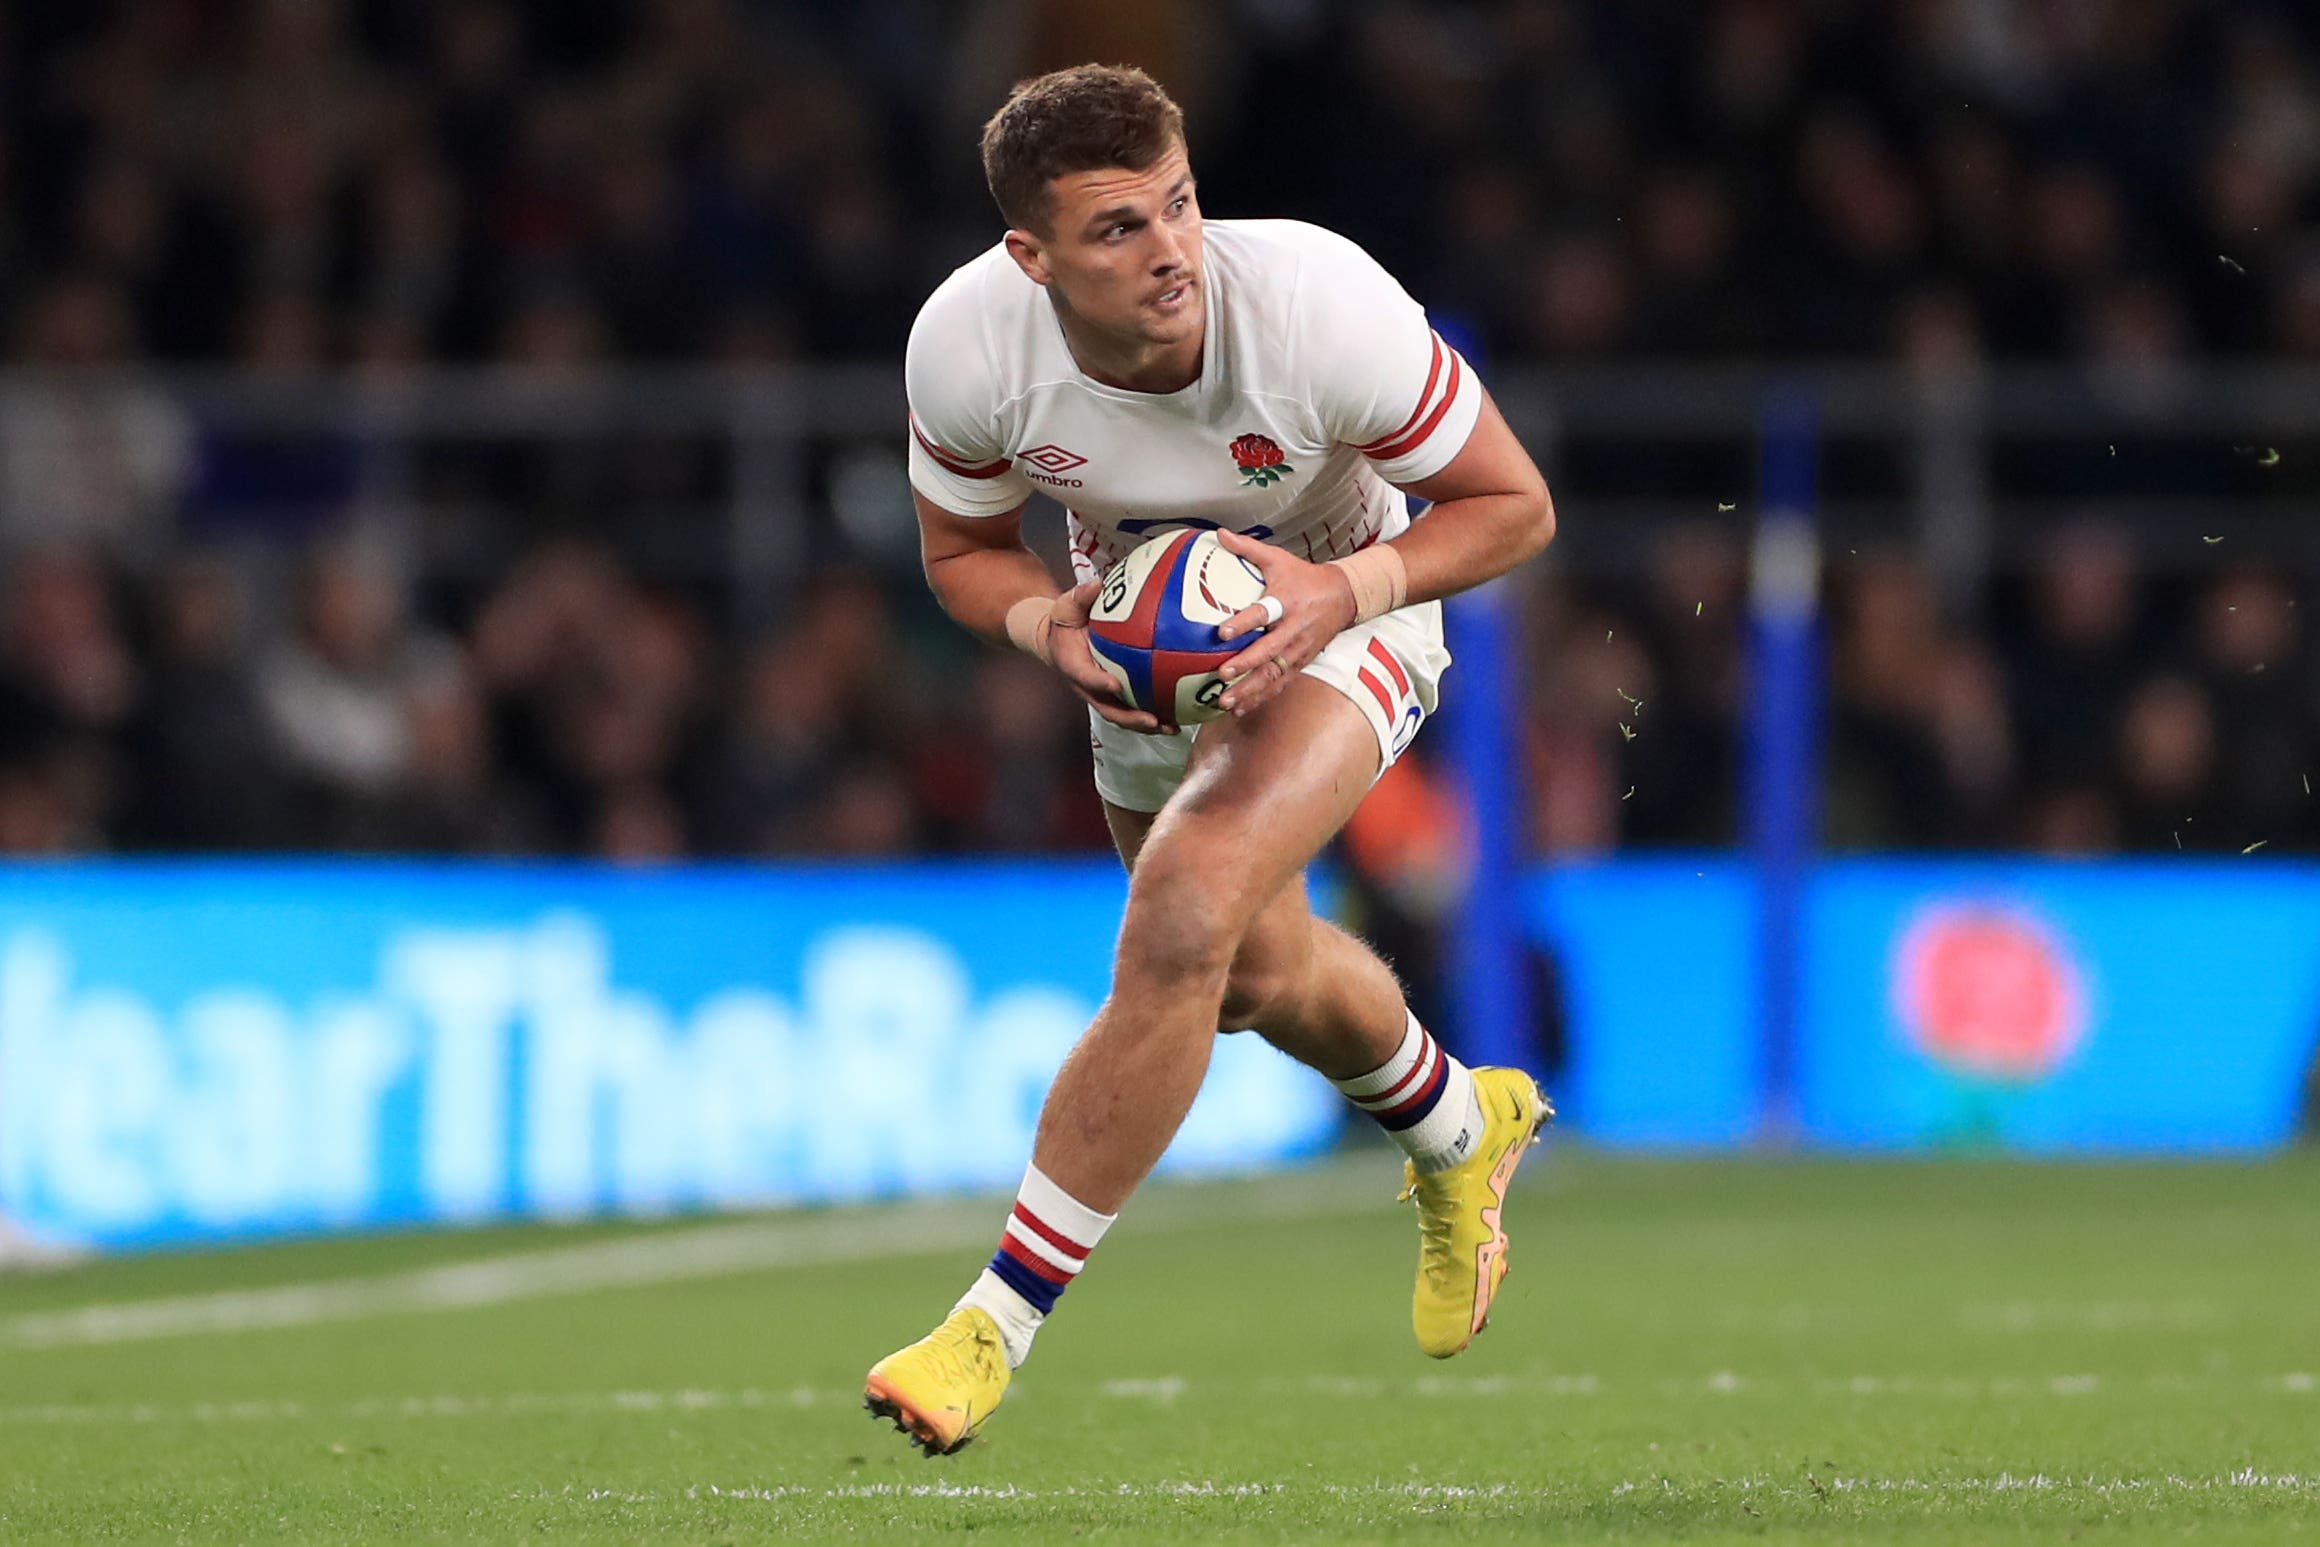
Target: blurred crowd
x,y
207,640
2082,706
2085,706
373,181
570,709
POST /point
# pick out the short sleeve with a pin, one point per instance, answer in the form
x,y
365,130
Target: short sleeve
x,y
1385,382
956,458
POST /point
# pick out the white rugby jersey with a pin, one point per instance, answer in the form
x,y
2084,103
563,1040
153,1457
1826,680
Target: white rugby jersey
x,y
1321,387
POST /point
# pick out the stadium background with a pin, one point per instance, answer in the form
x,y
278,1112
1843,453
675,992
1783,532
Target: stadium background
x,y
475,750
465,432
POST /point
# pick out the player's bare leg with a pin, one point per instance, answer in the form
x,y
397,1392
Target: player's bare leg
x,y
1259,799
1323,997
1315,992
1216,906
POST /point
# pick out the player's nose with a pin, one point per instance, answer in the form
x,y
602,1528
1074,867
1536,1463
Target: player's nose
x,y
1168,252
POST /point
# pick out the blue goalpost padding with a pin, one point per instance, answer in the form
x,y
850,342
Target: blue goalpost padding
x,y
1489,985
1779,796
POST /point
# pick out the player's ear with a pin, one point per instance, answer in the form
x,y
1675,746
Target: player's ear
x,y
1029,254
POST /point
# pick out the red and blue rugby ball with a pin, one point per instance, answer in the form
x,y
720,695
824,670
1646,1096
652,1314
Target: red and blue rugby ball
x,y
1153,626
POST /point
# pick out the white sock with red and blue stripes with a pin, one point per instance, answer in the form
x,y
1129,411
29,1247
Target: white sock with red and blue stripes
x,y
1423,1098
1045,1244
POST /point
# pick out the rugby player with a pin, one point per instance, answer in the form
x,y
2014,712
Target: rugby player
x,y
1266,379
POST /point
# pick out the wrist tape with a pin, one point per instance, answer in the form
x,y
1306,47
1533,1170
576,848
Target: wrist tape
x,y
1380,580
1029,622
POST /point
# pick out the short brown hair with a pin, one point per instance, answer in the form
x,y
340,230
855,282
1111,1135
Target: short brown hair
x,y
1083,119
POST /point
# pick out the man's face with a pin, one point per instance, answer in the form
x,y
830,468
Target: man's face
x,y
1123,250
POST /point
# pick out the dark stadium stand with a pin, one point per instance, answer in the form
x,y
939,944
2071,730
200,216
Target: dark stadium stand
x,y
208,641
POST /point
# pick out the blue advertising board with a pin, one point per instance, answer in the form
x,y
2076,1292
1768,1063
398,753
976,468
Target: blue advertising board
x,y
211,1051
214,1051
2060,1007
1657,966
2048,1006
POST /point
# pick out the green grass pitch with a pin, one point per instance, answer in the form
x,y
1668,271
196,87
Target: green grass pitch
x,y
1729,1351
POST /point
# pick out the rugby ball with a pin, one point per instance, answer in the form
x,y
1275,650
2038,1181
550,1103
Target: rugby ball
x,y
1153,626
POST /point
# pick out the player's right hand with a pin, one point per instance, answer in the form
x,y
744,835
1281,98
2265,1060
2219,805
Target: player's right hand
x,y
1068,643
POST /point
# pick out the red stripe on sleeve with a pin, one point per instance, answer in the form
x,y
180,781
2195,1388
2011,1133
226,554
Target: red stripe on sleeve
x,y
1417,437
952,464
1378,690
1433,372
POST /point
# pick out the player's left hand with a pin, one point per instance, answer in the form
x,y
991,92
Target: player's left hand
x,y
1316,606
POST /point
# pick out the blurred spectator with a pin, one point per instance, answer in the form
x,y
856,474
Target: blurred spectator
x,y
2249,657
2074,659
1938,336
866,813
1589,691
1695,292
202,747
68,686
1868,234
787,742
410,265
637,825
2167,759
1683,764
337,698
999,773
87,457
1886,779
1581,300
1967,724
455,797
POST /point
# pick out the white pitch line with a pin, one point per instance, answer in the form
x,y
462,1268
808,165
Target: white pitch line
x,y
1168,1388
656,1259
2091,1316
2250,1480
669,1256
560,1404
1725,1383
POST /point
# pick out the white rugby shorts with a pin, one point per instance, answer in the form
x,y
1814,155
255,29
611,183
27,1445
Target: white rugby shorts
x,y
1390,667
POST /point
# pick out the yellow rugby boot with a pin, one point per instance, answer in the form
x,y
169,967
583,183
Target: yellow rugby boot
x,y
1461,1231
941,1388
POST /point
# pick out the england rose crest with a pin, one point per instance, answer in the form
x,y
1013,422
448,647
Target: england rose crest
x,y
1259,461
1989,992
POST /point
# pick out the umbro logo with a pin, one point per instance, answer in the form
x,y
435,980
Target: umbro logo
x,y
1048,464
1052,459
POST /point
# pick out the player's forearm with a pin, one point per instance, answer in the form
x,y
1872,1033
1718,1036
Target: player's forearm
x,y
979,588
1466,542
